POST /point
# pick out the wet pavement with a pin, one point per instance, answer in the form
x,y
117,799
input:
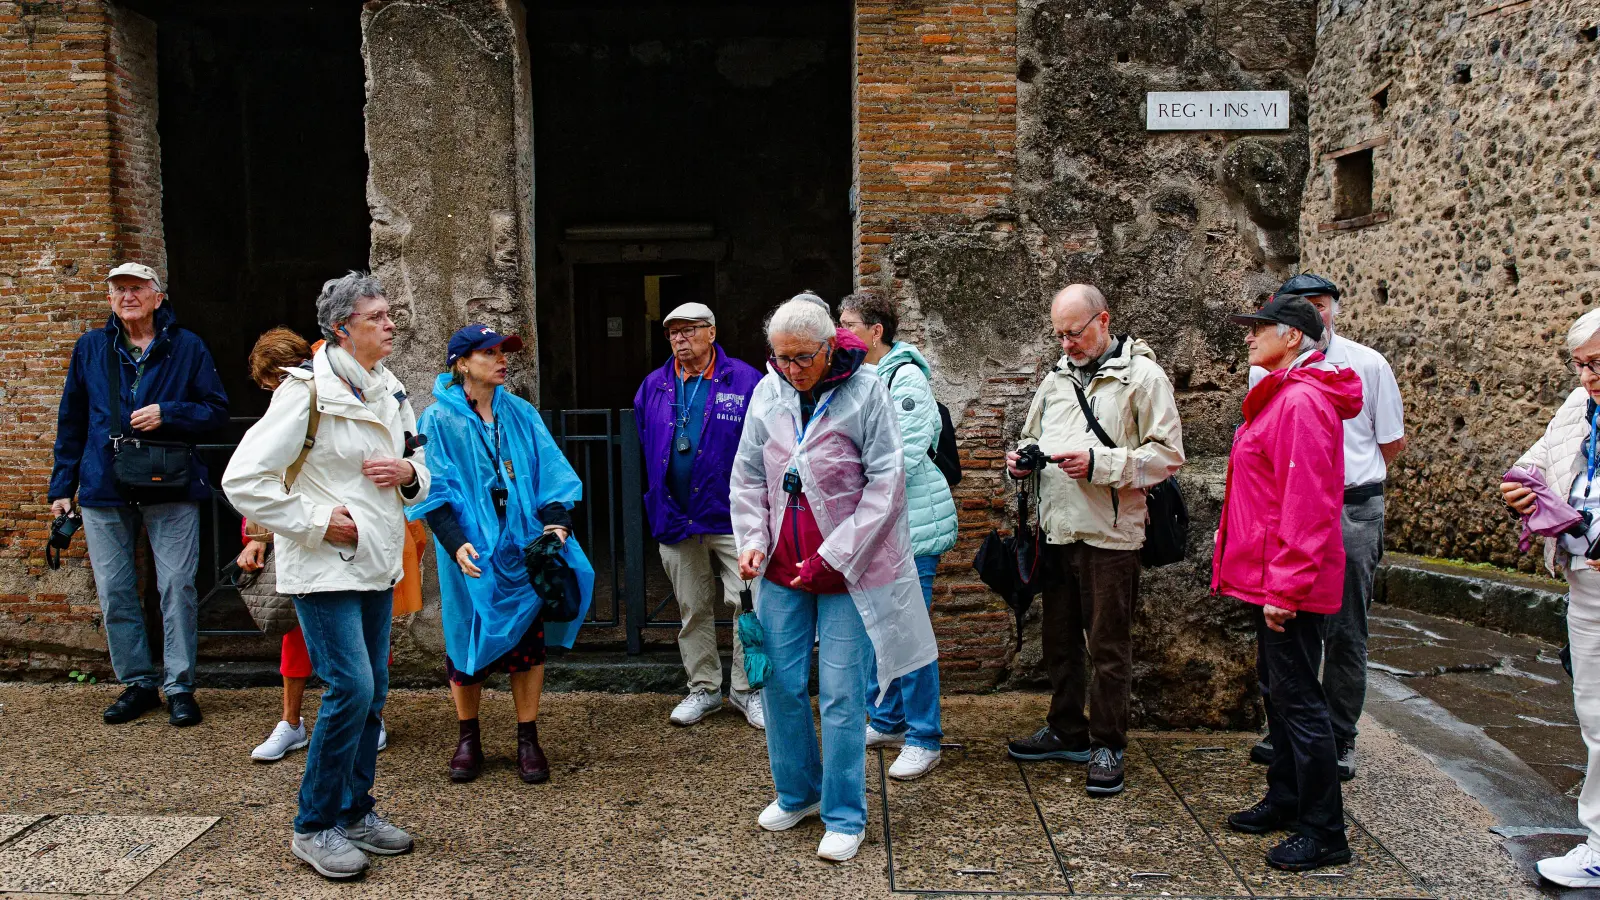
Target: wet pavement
x,y
638,808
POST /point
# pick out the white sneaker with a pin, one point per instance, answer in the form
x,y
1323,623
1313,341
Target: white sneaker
x,y
840,847
775,818
1580,868
749,703
876,738
695,707
913,762
284,739
383,736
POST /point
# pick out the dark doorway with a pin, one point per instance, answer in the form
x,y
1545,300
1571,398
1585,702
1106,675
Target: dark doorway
x,y
616,303
709,141
263,167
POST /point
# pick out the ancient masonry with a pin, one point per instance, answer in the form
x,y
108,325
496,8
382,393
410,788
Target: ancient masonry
x,y
1453,194
1000,153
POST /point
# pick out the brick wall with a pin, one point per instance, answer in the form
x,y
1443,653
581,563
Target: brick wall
x,y
935,127
76,157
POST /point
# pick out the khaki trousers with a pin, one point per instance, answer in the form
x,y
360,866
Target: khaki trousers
x,y
701,596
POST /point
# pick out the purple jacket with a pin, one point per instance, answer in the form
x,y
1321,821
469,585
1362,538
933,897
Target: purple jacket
x,y
1551,515
731,384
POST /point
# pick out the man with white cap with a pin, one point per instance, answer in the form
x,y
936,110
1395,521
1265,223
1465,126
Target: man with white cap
x,y
137,391
690,415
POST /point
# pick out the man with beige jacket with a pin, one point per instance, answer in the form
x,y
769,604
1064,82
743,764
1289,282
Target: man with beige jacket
x,y
1092,509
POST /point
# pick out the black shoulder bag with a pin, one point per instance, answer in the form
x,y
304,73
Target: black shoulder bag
x,y
144,471
1166,534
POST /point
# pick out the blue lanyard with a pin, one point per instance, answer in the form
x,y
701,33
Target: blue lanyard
x,y
800,430
685,407
1594,438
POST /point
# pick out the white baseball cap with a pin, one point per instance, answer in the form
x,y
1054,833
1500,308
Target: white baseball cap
x,y
137,270
691,312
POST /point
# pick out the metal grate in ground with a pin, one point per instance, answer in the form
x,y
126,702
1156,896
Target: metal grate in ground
x,y
1004,828
90,854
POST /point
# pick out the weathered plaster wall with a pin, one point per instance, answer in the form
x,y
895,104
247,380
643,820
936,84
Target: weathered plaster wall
x,y
1487,179
1178,229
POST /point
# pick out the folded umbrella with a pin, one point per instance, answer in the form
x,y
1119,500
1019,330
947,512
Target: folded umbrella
x,y
757,665
1011,566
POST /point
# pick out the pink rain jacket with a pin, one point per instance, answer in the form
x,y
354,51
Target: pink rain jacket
x,y
1280,542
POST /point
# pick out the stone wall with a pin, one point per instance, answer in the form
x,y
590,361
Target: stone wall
x,y
77,193
1177,228
1478,251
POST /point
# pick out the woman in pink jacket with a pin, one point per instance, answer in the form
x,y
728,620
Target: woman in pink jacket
x,y
1279,547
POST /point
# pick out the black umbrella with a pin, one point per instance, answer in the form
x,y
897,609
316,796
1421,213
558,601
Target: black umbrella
x,y
1011,565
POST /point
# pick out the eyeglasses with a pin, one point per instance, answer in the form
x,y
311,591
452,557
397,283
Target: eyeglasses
x,y
377,318
804,361
684,333
857,324
1577,368
1074,335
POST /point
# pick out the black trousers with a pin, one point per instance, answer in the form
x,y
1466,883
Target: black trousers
x,y
1089,593
1304,775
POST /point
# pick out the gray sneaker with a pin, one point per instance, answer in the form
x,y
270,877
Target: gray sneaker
x,y
375,834
329,853
1347,762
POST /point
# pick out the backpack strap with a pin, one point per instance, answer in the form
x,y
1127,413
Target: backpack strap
x,y
315,421
114,382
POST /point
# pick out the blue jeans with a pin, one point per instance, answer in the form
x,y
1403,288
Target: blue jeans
x,y
836,777
911,704
174,528
347,634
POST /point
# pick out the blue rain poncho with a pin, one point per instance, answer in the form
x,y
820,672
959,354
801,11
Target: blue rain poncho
x,y
484,617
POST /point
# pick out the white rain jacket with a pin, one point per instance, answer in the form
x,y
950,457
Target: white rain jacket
x,y
1558,455
348,433
852,472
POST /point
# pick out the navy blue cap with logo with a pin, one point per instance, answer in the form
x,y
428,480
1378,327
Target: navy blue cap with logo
x,y
478,336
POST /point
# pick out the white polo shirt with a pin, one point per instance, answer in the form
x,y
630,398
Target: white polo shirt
x,y
1382,418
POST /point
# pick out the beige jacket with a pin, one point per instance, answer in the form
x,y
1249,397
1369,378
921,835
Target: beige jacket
x,y
1132,399
1558,453
348,433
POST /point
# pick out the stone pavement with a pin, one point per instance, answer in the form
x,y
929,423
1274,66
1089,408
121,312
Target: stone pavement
x,y
638,808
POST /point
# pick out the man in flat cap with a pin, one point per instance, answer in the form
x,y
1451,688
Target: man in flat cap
x,y
690,415
1372,440
141,388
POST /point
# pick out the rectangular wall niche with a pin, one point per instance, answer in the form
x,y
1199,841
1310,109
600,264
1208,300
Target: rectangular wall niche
x,y
1352,185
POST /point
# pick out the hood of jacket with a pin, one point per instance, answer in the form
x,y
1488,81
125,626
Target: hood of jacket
x,y
903,354
1119,366
1340,385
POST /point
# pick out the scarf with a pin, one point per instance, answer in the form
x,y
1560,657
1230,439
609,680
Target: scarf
x,y
349,370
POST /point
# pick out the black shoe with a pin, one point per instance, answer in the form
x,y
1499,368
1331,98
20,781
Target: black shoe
x,y
1347,761
134,702
1046,744
1105,772
1302,853
185,711
1261,819
1261,753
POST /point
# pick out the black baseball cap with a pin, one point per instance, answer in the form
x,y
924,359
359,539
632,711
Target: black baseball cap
x,y
1290,310
478,336
1307,285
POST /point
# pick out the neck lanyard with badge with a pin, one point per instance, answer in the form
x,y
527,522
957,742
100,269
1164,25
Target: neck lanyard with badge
x,y
502,467
686,409
791,478
1592,453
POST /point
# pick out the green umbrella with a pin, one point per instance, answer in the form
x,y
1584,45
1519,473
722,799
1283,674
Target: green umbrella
x,y
757,665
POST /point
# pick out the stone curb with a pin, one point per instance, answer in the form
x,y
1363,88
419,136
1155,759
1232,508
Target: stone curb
x,y
1508,602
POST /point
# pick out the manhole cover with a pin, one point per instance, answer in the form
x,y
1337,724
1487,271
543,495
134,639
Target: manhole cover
x,y
94,854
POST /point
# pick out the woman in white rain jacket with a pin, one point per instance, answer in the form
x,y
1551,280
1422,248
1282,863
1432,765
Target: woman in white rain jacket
x,y
819,514
340,528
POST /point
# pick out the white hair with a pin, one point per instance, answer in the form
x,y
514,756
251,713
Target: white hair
x,y
337,302
802,317
1307,342
1582,330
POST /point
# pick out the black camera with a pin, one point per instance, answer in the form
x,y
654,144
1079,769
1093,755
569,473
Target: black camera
x,y
1031,459
791,483
61,532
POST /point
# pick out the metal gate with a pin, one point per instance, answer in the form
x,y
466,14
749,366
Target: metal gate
x,y
631,595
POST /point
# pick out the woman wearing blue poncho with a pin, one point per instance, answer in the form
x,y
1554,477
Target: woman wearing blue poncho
x,y
500,482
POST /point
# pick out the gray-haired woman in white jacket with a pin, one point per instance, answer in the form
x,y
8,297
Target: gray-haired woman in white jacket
x,y
1568,456
340,530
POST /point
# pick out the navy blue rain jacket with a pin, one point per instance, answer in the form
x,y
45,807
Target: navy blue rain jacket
x,y
178,373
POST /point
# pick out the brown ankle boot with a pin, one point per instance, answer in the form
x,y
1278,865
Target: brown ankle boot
x,y
532,767
467,764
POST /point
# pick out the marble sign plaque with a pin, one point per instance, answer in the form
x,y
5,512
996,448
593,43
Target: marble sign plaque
x,y
1216,110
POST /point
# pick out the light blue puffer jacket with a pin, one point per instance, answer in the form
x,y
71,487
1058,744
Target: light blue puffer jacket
x,y
931,507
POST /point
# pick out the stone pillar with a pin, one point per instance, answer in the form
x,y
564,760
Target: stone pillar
x,y
450,177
